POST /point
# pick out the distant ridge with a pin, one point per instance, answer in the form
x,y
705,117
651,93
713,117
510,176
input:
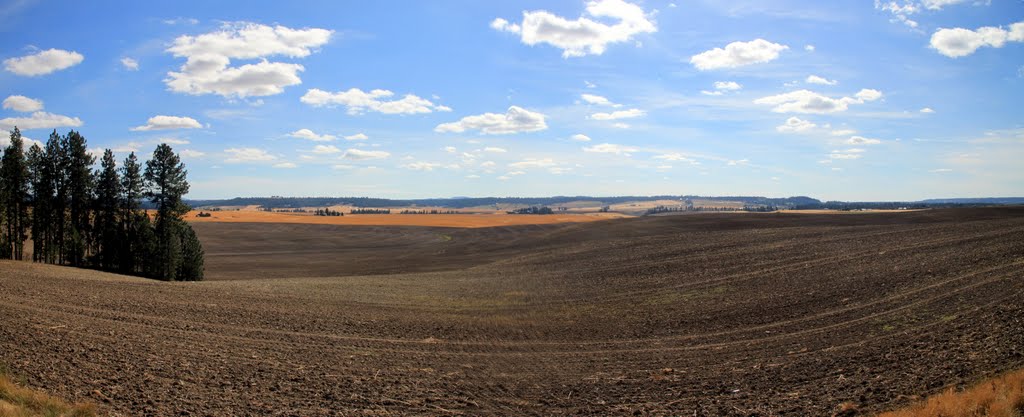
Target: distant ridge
x,y
462,202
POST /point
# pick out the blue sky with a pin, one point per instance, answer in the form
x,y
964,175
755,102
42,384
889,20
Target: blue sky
x,y
849,100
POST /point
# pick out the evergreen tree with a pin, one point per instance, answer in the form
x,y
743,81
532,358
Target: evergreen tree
x,y
191,267
80,186
55,174
14,182
133,249
108,232
42,196
165,185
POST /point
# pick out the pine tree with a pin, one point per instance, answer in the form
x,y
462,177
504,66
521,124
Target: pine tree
x,y
80,186
191,267
55,172
165,185
108,233
133,250
14,182
42,196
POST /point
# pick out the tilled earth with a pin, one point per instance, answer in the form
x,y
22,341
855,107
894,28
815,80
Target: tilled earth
x,y
712,314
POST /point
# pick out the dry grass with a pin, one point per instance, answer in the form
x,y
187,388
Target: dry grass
x,y
999,397
435,220
18,401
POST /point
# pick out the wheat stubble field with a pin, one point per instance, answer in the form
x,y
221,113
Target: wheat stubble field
x,y
712,314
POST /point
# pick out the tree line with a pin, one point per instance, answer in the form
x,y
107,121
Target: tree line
x,y
83,218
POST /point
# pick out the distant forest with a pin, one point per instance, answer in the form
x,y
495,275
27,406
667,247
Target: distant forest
x,y
464,202
789,203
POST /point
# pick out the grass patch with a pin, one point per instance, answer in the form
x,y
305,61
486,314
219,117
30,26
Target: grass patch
x,y
445,238
18,401
999,397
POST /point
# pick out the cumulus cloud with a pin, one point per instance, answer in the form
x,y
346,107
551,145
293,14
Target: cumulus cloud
x,y
860,140
189,153
168,122
958,42
806,101
515,120
610,148
495,149
533,163
325,149
582,36
927,110
358,101
738,54
22,104
843,132
620,114
359,155
285,165
240,155
727,85
310,135
130,64
43,62
421,166
675,156
357,136
579,137
795,125
207,69
39,120
814,79
598,100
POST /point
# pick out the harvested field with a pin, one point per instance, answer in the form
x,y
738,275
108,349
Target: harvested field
x,y
432,220
709,315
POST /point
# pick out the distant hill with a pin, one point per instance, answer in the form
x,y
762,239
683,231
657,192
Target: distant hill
x,y
463,202
986,200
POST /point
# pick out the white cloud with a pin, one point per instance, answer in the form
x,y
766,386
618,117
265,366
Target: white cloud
x,y
130,64
738,162
559,170
843,132
310,135
579,137
940,170
711,93
357,136
809,48
939,4
239,155
22,104
619,114
620,125
958,42
208,71
495,149
599,100
189,153
860,140
611,148
533,163
738,54
172,141
450,149
358,101
39,120
814,79
727,85
285,165
421,166
805,101
841,155
927,110
582,36
472,176
675,156
342,167
515,120
325,149
43,62
359,155
168,122
795,125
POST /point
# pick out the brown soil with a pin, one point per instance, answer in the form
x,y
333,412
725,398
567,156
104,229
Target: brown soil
x,y
712,315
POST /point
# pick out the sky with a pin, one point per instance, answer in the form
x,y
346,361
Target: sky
x,y
837,100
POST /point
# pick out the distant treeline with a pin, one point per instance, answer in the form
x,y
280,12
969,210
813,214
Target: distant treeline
x,y
464,202
429,212
369,211
532,210
94,219
691,208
